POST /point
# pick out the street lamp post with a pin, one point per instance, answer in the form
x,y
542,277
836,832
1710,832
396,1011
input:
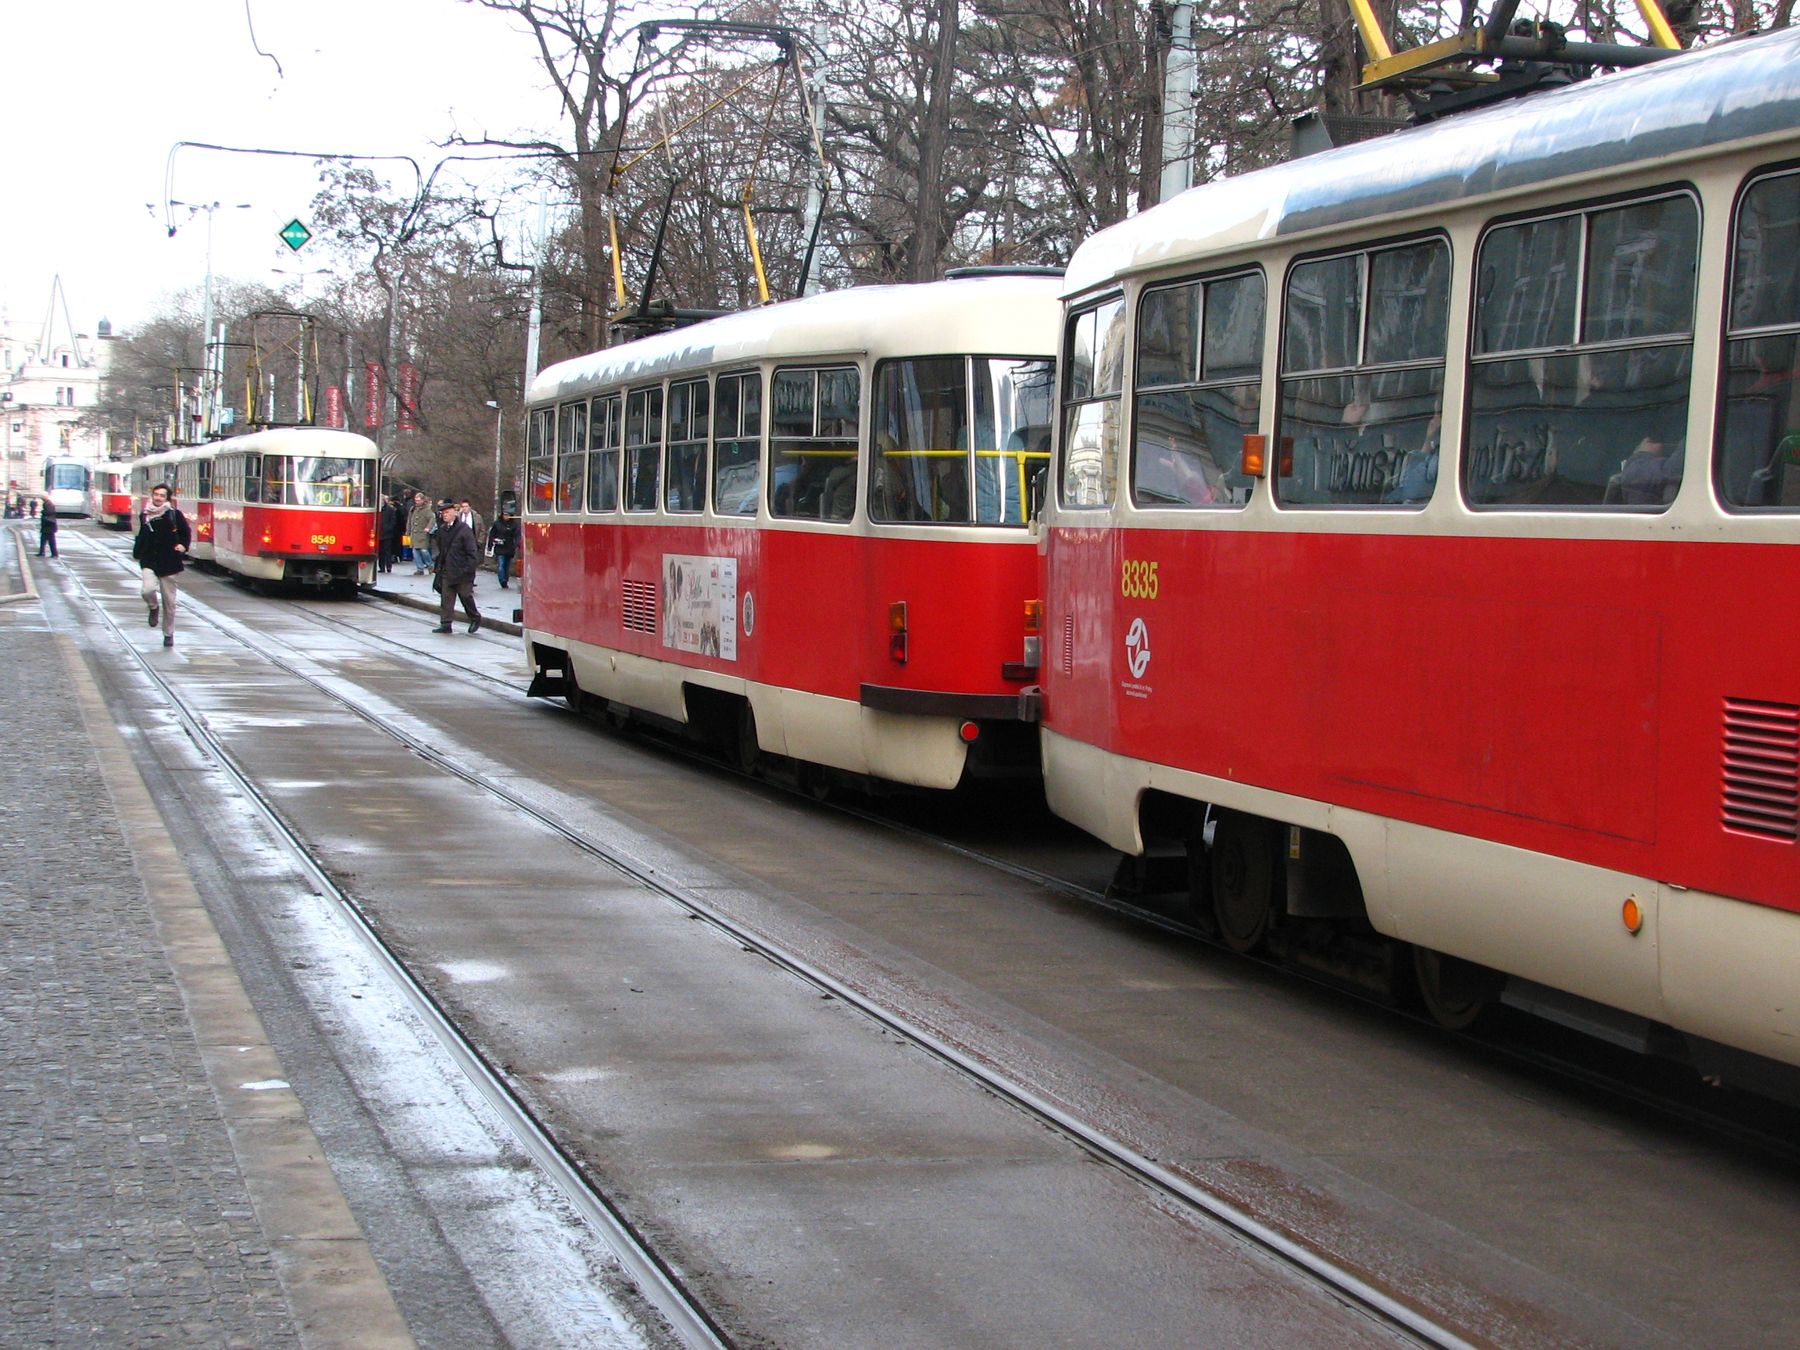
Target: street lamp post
x,y
499,422
211,377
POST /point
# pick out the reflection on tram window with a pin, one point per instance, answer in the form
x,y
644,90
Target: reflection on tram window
x,y
813,417
605,425
1093,365
1362,383
737,453
945,423
1199,352
540,461
643,447
690,427
1757,459
571,455
1583,409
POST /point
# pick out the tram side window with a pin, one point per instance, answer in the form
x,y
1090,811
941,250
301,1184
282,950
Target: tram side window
x,y
812,442
643,447
278,480
540,461
1756,463
737,451
690,431
1583,352
1362,377
1094,364
605,425
1014,403
203,481
921,429
1199,391
571,455
253,472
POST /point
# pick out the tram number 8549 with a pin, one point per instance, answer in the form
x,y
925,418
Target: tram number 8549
x,y
1137,579
324,539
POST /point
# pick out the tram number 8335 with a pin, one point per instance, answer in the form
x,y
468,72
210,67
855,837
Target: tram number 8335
x,y
1137,579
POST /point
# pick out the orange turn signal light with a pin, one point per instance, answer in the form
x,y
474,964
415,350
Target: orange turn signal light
x,y
897,631
1256,455
1632,914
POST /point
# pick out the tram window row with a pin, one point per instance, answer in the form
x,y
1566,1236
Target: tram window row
x,y
957,440
1578,342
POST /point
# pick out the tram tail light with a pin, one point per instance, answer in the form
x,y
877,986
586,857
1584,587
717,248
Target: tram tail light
x,y
1034,630
897,631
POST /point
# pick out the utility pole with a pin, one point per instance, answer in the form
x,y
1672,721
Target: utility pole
x,y
1178,104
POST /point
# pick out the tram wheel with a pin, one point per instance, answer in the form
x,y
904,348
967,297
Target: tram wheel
x,y
1455,992
1243,880
573,694
749,752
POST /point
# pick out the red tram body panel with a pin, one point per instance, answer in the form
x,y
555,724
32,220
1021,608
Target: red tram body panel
x,y
1423,515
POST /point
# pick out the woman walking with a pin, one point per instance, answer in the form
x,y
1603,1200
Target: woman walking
x,y
163,539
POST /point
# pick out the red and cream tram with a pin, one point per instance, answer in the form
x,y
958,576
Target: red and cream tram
x,y
109,495
801,529
291,504
1424,517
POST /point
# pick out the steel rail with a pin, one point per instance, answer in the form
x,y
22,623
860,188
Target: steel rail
x,y
659,1283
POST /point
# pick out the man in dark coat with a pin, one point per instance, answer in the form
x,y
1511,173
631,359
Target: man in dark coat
x,y
458,557
392,526
161,550
47,529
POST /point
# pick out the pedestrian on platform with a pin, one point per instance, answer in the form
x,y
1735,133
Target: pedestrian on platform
x,y
420,522
47,529
458,558
503,541
161,550
392,525
469,516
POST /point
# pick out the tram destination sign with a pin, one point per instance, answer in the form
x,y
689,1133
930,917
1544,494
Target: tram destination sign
x,y
295,235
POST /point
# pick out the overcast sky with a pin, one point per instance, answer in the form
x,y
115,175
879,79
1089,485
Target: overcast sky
x,y
97,92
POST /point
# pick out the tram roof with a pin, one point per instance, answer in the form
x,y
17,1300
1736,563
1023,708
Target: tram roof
x,y
996,315
1736,90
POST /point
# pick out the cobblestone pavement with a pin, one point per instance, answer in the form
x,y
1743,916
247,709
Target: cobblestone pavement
x,y
124,1219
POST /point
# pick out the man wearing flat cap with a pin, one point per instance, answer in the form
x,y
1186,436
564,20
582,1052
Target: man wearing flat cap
x,y
457,559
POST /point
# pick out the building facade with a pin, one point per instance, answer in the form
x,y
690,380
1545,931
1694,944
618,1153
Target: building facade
x,y
49,377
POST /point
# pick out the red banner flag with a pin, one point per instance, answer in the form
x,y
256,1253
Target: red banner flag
x,y
334,406
406,398
374,393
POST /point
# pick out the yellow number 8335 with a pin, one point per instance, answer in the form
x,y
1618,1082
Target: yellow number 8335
x,y
1137,579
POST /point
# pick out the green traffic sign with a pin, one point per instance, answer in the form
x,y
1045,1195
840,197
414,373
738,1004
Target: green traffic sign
x,y
295,235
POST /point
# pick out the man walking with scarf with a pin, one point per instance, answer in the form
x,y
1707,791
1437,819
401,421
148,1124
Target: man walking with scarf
x,y
163,540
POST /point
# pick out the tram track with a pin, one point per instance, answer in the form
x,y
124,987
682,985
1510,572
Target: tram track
x,y
661,1286
1388,1308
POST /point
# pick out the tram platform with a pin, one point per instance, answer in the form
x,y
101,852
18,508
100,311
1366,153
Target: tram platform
x,y
158,1178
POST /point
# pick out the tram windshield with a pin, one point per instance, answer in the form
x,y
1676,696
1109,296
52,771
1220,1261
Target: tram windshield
x,y
61,476
318,480
958,439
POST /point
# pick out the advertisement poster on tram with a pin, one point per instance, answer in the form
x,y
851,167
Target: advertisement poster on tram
x,y
700,605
